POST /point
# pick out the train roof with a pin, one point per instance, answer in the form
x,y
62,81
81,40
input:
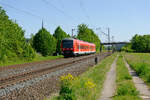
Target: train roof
x,y
68,39
77,39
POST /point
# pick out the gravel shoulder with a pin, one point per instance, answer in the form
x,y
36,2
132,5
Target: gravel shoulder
x,y
109,84
139,84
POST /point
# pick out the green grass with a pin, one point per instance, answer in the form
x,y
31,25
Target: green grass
x,y
125,87
140,62
22,61
96,75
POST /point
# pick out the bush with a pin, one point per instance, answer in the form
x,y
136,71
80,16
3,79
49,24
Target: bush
x,y
127,89
12,40
140,68
29,53
148,77
66,91
44,42
59,35
71,86
141,43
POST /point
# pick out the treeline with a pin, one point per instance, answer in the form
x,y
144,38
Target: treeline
x,y
139,43
47,44
87,34
13,44
12,41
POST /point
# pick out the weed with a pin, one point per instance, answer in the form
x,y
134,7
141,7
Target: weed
x,y
66,91
125,87
140,62
88,85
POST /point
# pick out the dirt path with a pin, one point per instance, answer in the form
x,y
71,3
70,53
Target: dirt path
x,y
139,84
109,84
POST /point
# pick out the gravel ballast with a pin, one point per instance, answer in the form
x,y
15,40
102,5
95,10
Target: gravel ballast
x,y
40,87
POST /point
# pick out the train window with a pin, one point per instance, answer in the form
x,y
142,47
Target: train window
x,y
67,43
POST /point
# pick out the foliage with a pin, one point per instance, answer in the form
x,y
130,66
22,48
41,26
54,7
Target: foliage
x,y
30,40
12,40
88,85
68,84
140,63
59,35
125,86
141,43
37,58
44,42
86,34
66,91
127,48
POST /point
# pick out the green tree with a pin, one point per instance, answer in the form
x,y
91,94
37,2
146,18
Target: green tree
x,y
127,48
31,39
12,40
86,34
147,42
59,35
44,42
140,43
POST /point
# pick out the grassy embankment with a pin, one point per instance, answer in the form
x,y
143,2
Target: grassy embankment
x,y
88,85
125,87
140,62
22,61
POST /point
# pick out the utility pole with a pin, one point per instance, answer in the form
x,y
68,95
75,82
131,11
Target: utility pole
x,y
72,32
42,24
108,38
108,35
112,38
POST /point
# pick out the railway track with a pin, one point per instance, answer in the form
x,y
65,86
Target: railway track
x,y
21,77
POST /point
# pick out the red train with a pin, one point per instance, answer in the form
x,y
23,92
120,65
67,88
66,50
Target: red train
x,y
74,47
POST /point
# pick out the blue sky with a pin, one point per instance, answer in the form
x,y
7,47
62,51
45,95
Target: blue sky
x,y
125,18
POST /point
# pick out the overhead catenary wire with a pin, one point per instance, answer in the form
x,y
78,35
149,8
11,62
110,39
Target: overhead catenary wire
x,y
23,11
84,11
26,12
56,8
62,5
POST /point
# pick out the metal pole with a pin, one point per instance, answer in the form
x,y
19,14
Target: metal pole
x,y
108,35
108,38
72,32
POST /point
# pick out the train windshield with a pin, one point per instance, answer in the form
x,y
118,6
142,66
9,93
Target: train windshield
x,y
67,43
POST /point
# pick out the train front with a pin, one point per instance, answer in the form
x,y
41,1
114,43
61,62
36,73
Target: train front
x,y
67,47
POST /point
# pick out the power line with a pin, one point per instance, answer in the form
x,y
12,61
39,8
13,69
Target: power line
x,y
62,5
23,11
59,10
84,10
107,34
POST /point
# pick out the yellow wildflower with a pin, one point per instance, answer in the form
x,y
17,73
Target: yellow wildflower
x,y
68,77
90,84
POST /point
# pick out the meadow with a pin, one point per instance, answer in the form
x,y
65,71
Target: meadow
x,y
140,62
38,57
125,89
